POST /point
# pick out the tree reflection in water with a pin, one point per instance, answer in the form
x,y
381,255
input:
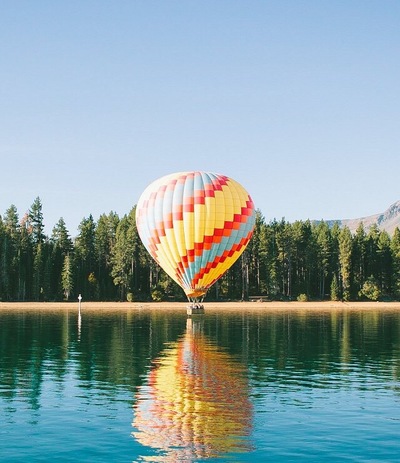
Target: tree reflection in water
x,y
195,401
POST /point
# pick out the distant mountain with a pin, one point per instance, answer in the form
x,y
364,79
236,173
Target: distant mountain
x,y
388,220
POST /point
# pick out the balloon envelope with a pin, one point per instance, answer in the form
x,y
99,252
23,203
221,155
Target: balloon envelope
x,y
195,225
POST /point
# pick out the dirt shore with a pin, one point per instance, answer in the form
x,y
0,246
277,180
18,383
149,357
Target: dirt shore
x,y
264,306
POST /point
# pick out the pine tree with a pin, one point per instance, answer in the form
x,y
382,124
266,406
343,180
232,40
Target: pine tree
x,y
372,264
268,253
385,264
252,260
61,247
359,258
395,251
60,237
38,272
67,277
37,237
9,254
25,261
122,258
36,222
105,237
334,289
11,222
345,247
322,237
85,258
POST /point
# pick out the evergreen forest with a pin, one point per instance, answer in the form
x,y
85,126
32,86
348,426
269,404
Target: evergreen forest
x,y
106,261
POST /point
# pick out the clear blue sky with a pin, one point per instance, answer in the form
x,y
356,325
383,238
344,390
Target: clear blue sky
x,y
297,100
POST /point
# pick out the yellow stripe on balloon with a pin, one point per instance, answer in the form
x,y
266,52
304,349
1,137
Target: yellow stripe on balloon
x,y
188,227
200,216
179,232
211,216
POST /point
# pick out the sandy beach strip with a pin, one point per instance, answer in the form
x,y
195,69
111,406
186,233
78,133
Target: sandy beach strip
x,y
263,306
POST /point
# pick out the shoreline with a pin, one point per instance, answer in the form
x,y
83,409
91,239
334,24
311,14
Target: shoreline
x,y
264,306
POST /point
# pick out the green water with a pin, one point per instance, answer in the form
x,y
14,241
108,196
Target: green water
x,y
240,386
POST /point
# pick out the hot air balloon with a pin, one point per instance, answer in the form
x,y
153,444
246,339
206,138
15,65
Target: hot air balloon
x,y
195,225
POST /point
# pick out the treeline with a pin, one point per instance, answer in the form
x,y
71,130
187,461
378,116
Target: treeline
x,y
106,261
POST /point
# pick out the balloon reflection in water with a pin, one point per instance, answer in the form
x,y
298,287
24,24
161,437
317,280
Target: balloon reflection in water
x,y
195,403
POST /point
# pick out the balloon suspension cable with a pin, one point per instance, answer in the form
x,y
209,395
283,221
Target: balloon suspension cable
x,y
196,300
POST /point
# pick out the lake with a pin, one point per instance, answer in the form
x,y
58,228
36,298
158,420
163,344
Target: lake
x,y
229,386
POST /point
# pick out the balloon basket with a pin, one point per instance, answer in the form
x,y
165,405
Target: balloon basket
x,y
194,309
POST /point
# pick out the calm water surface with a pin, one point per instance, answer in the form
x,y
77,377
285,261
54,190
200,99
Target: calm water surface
x,y
229,386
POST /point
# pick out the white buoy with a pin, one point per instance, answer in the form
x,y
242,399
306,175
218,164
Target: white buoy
x,y
79,318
